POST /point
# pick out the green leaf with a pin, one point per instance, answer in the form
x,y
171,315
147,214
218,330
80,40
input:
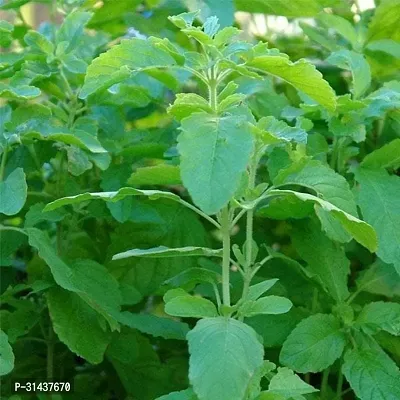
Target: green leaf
x,y
328,185
88,279
69,314
118,63
380,316
387,46
385,22
161,174
224,355
39,42
257,290
266,305
360,230
358,66
162,251
288,384
166,328
35,215
21,92
274,329
341,26
325,259
6,30
294,8
381,279
186,104
185,305
314,344
140,371
214,154
71,30
223,10
13,192
271,130
187,394
388,156
6,355
192,276
383,213
301,74
372,374
111,197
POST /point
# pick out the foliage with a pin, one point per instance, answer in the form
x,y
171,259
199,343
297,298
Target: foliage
x,y
189,212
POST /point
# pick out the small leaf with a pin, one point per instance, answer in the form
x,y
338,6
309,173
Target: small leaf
x,y
380,316
190,306
162,251
315,344
162,174
257,290
288,384
6,355
13,192
166,328
120,62
341,26
266,305
301,74
186,104
224,355
388,156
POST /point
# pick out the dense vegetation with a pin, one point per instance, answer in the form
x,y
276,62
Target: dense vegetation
x,y
191,211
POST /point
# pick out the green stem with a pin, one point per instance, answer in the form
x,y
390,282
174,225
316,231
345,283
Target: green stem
x,y
324,384
201,213
212,90
334,155
226,255
50,354
3,162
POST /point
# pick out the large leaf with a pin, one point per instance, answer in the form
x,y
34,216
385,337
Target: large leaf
x,y
187,394
383,213
163,251
214,153
314,344
372,374
88,279
155,223
360,230
118,63
224,355
137,364
13,192
78,325
325,259
111,196
6,355
301,74
223,10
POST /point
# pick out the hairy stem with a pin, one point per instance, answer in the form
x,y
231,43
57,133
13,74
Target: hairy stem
x,y
3,163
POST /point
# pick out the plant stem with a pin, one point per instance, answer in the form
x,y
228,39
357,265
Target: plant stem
x,y
324,384
226,255
50,354
201,213
3,162
212,90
